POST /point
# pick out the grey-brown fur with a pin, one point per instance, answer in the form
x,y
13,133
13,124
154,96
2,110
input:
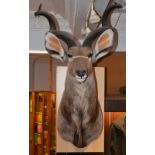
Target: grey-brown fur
x,y
80,119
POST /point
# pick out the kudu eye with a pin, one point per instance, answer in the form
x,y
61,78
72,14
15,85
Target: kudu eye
x,y
90,55
69,55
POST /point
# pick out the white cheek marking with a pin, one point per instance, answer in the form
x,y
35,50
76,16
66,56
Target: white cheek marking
x,y
79,56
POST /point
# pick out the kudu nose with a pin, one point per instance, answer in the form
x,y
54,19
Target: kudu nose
x,y
80,73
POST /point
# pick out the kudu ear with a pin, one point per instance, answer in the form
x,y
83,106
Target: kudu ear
x,y
54,47
103,44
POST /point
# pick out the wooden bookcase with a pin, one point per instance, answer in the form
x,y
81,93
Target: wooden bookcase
x,y
41,123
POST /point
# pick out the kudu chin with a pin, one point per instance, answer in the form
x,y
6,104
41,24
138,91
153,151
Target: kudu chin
x,y
80,118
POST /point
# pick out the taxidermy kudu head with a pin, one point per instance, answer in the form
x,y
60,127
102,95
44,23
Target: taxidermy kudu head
x,y
80,119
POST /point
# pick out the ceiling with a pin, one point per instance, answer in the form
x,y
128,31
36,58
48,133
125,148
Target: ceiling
x,y
71,15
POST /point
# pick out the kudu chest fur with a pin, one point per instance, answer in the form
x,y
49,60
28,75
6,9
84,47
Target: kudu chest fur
x,y
80,118
80,115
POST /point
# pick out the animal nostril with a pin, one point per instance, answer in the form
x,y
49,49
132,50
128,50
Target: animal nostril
x,y
80,73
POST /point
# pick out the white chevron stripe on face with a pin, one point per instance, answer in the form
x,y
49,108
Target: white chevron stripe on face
x,y
80,56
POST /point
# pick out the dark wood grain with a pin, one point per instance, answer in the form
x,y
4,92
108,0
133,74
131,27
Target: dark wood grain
x,y
115,104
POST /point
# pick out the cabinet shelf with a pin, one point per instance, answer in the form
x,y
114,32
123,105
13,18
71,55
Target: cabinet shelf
x,y
115,103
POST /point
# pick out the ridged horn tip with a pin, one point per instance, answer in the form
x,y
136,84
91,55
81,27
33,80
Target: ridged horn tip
x,y
40,7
